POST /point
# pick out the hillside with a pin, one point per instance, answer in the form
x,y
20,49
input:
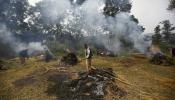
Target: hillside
x,y
37,80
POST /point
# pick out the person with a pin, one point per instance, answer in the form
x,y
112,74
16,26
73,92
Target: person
x,y
23,55
48,55
88,57
173,53
1,64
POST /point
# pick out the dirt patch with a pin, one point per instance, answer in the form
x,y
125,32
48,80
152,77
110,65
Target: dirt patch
x,y
58,87
29,80
138,55
127,62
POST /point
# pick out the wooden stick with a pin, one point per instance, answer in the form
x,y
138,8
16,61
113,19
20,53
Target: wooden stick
x,y
123,81
48,69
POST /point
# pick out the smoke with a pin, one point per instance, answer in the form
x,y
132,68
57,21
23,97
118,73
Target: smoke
x,y
35,47
33,2
116,34
54,9
8,38
90,21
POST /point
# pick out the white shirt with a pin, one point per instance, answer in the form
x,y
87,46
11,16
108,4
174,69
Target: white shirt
x,y
87,53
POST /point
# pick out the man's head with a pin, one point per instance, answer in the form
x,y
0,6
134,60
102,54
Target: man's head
x,y
85,46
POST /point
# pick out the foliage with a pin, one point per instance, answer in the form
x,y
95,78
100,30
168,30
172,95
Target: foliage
x,y
172,4
157,36
164,36
163,33
114,6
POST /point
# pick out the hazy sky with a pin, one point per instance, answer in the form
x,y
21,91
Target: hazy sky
x,y
148,12
151,12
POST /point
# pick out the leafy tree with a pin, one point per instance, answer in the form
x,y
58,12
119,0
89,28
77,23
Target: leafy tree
x,y
157,29
172,4
167,28
13,13
113,7
163,32
157,36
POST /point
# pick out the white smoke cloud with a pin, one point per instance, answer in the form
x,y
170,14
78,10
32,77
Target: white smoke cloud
x,y
54,9
8,38
90,21
33,2
35,47
89,18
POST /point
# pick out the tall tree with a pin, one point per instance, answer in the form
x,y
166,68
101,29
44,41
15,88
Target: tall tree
x,y
156,38
167,28
172,4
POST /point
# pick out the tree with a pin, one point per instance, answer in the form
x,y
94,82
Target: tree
x,y
163,34
157,29
167,28
12,15
112,7
172,5
156,38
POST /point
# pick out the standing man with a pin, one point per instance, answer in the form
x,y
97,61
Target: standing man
x,y
88,57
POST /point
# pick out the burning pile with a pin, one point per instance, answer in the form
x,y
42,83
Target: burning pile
x,y
2,67
95,84
160,58
69,59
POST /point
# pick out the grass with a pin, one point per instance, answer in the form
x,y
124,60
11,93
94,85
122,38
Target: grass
x,y
149,82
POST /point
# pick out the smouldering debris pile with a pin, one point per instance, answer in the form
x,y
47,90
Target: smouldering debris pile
x,y
160,58
95,84
69,59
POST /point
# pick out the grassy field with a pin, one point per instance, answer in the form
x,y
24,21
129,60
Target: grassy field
x,y
37,80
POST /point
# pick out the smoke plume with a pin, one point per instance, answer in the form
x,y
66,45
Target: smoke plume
x,y
8,38
89,20
86,17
